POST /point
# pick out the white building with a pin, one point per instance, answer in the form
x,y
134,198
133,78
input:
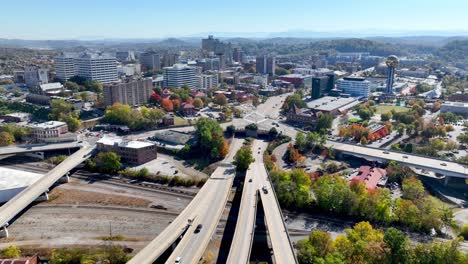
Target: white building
x,y
354,86
95,67
129,69
181,74
208,81
133,92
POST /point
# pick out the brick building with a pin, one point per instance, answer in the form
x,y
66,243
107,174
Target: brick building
x,y
133,152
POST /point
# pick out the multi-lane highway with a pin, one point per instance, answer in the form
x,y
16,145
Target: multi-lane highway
x,y
205,209
245,226
447,168
9,210
36,147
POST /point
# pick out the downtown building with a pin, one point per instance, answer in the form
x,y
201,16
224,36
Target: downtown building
x,y
94,67
265,65
354,86
150,61
181,74
208,81
35,76
133,92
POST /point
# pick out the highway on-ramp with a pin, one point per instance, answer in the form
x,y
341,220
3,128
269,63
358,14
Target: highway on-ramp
x,y
18,203
245,227
206,209
283,250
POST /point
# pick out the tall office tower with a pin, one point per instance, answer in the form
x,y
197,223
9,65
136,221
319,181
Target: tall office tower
x,y
222,62
150,61
237,55
65,66
266,64
96,67
355,86
170,59
319,86
181,74
392,63
35,76
133,92
125,56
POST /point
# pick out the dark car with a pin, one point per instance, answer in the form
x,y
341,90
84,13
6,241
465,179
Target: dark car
x,y
199,227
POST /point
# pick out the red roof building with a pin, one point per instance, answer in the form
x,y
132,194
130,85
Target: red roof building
x,y
371,177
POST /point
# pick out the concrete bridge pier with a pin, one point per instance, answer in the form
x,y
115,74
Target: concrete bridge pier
x,y
43,197
3,232
446,180
65,178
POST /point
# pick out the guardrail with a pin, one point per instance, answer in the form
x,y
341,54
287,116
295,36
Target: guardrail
x,y
281,213
253,229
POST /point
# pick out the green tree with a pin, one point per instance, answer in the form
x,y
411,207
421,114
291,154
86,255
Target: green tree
x,y
413,189
324,122
386,116
59,109
198,103
73,122
11,252
210,137
243,159
108,162
300,140
398,245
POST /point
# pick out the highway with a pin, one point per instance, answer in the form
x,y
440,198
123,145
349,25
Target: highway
x,y
283,250
36,147
245,227
451,169
9,210
206,209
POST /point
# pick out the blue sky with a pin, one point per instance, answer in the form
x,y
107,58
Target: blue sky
x,y
69,19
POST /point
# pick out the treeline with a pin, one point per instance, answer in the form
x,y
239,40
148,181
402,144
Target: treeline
x,y
364,244
455,52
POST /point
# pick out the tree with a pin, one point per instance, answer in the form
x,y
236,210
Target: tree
x,y
72,86
243,158
300,140
73,122
324,122
273,133
220,99
386,116
294,100
398,245
11,252
167,105
59,109
6,139
364,113
108,162
413,189
210,137
281,71
364,141
198,103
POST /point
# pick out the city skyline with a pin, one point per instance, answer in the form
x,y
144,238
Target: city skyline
x,y
117,20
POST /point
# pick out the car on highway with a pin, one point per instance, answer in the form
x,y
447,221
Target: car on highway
x,y
264,189
178,260
405,157
386,152
443,164
250,180
199,227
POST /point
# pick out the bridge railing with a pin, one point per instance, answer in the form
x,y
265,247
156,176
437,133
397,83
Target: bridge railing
x,y
281,214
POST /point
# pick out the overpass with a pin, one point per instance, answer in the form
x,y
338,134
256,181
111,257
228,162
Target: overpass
x,y
18,203
206,208
447,168
20,149
245,227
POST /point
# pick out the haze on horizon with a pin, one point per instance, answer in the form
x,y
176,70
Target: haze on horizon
x,y
87,19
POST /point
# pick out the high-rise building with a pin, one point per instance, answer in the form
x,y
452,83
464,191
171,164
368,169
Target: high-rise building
x,y
125,56
354,86
181,74
392,63
266,64
237,55
319,86
170,59
35,76
212,46
150,61
95,67
64,66
208,81
133,92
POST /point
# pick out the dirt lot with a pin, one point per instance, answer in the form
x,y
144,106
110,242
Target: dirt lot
x,y
79,212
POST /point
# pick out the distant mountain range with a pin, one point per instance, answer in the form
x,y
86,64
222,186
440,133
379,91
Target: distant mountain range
x,y
435,39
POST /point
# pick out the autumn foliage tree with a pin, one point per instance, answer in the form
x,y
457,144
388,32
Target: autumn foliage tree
x,y
167,105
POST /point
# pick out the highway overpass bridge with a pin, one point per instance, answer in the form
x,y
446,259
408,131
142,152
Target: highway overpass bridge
x,y
447,168
206,208
21,149
30,194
